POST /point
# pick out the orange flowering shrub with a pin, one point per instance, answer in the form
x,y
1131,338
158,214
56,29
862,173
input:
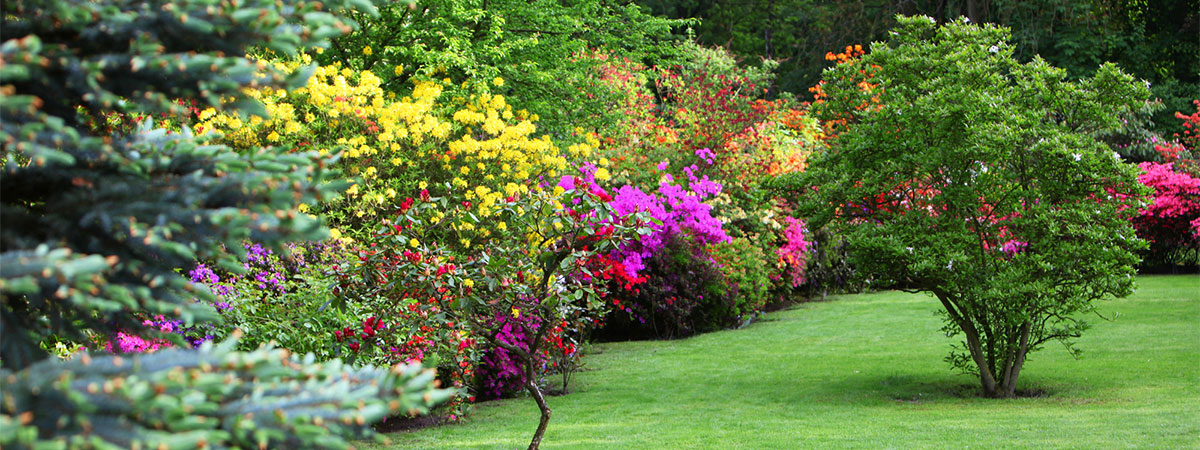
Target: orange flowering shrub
x,y
841,120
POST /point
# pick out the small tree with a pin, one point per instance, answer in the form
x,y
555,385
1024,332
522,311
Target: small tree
x,y
96,226
958,171
544,267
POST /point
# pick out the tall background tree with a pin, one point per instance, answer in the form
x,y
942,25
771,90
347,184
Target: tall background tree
x,y
540,49
98,222
1155,41
955,170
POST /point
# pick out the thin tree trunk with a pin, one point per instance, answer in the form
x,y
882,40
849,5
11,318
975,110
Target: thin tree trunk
x,y
986,377
1010,381
536,392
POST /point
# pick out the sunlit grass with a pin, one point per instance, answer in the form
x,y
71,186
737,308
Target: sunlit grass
x,y
866,371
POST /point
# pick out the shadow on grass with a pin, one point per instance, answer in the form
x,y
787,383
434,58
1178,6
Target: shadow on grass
x,y
914,389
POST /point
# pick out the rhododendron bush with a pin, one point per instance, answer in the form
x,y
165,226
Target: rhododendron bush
x,y
546,267
951,173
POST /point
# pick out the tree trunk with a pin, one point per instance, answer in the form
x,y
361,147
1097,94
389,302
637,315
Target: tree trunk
x,y
986,378
1010,379
536,392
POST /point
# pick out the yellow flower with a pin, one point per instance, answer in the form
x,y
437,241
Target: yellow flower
x,y
501,226
498,81
414,243
353,190
398,70
468,282
302,208
422,185
335,234
367,50
465,242
516,313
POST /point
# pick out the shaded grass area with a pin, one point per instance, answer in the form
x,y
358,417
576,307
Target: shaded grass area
x,y
866,371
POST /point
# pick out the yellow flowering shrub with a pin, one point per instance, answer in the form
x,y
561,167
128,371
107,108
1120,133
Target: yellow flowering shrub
x,y
392,148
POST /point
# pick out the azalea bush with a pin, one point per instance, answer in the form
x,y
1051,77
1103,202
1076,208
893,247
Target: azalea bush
x,y
392,147
707,123
683,292
1170,222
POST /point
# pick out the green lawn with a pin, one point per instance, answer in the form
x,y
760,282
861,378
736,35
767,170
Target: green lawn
x,y
866,371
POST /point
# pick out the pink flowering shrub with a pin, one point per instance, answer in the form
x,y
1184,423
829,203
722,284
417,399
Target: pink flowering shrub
x,y
1171,221
793,255
129,343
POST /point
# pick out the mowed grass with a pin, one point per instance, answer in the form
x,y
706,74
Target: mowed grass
x,y
866,371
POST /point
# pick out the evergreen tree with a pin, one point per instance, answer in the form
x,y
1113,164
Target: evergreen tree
x,y
96,224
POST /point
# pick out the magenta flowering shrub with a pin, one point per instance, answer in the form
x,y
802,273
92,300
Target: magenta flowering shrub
x,y
676,210
683,293
1171,221
499,373
793,255
129,343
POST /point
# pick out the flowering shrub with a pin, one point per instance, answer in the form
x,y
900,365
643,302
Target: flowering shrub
x,y
1182,152
543,266
500,372
676,210
747,271
284,299
713,130
480,145
684,293
793,255
1171,221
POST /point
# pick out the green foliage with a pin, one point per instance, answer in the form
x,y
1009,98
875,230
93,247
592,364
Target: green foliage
x,y
214,396
537,47
979,179
746,268
295,313
1153,40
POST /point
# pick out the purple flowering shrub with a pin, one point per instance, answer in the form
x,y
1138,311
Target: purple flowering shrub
x,y
499,374
285,299
675,209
